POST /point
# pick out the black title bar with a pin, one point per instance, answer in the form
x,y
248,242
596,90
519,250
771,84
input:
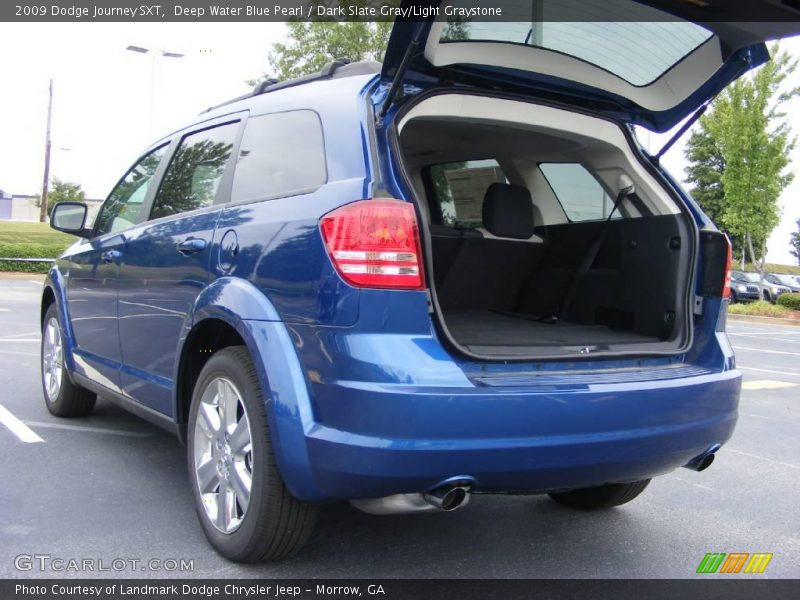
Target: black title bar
x,y
390,10
733,588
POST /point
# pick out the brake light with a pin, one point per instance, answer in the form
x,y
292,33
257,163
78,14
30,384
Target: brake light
x,y
375,244
726,285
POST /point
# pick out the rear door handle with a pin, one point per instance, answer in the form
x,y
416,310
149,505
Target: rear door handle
x,y
111,256
191,246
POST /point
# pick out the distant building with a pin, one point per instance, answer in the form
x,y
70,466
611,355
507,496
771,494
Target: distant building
x,y
18,207
22,207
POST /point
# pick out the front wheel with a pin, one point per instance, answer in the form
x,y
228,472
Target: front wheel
x,y
62,397
604,496
244,507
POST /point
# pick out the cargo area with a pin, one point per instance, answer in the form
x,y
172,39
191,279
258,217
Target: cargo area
x,y
546,234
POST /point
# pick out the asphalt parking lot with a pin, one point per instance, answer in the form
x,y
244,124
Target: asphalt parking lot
x,y
112,486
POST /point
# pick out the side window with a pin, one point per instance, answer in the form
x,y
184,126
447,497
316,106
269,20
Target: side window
x,y
460,187
194,173
123,207
580,194
280,154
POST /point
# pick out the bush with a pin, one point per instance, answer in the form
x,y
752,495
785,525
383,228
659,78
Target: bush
x,y
790,300
760,308
28,250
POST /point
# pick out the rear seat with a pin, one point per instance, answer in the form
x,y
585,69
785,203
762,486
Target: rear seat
x,y
489,271
446,242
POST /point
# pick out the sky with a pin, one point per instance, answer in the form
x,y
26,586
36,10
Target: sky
x,y
109,103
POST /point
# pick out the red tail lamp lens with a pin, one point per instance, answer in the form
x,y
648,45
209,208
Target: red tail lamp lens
x,y
375,244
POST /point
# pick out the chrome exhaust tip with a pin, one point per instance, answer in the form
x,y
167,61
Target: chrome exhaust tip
x,y
704,460
448,498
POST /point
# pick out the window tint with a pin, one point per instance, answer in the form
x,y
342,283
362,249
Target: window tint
x,y
580,194
460,187
637,43
280,154
123,207
193,175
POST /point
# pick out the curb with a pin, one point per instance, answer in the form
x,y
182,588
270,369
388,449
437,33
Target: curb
x,y
20,275
765,320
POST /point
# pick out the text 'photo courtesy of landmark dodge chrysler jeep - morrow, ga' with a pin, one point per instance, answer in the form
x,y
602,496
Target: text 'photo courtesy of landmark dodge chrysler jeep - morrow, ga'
x,y
398,285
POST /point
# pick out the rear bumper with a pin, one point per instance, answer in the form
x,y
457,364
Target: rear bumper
x,y
747,296
342,439
517,442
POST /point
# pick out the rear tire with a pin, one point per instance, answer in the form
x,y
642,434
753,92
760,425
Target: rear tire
x,y
604,496
62,397
242,502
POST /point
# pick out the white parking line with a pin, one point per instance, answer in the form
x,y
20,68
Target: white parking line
x,y
19,335
772,329
767,384
17,427
755,416
764,332
778,337
5,310
775,371
767,351
88,429
15,353
775,462
21,340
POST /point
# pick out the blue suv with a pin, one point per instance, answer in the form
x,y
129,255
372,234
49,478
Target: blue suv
x,y
400,284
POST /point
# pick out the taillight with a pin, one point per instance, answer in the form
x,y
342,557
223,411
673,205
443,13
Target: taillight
x,y
375,244
726,285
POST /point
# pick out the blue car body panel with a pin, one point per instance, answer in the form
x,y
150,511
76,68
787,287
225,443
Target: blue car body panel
x,y
364,398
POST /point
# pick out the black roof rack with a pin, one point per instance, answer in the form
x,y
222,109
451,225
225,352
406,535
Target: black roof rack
x,y
337,69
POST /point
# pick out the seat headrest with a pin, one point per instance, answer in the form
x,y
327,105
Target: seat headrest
x,y
508,211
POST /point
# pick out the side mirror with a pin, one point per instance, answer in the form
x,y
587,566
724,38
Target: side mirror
x,y
70,217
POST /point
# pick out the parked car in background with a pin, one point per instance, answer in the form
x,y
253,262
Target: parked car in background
x,y
767,290
782,280
743,289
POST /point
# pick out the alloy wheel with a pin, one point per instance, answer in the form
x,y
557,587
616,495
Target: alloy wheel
x,y
52,359
223,455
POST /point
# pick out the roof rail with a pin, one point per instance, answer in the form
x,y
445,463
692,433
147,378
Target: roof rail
x,y
339,68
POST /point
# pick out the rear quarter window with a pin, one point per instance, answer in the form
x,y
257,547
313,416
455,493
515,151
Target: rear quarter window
x,y
579,193
281,154
459,189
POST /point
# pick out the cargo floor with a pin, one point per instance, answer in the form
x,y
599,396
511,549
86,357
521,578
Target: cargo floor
x,y
489,332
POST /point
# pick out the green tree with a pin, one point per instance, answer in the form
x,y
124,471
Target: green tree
x,y
312,44
192,177
795,242
754,138
704,173
60,191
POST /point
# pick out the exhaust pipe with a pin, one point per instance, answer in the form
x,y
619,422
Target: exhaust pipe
x,y
704,460
446,498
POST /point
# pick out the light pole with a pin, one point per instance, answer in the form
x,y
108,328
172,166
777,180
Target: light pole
x,y
43,202
154,53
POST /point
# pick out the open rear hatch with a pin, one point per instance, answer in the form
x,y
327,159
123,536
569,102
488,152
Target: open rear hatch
x,y
648,62
547,234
